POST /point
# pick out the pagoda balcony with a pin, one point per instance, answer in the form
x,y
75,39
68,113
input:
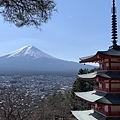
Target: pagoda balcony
x,y
110,114
101,89
115,68
115,89
98,69
107,90
112,68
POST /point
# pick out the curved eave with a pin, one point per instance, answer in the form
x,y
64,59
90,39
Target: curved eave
x,y
91,58
114,52
100,55
84,115
102,74
110,99
90,96
88,115
88,76
100,97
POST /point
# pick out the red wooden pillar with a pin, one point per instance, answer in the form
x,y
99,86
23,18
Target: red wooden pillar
x,y
109,110
109,64
103,84
109,85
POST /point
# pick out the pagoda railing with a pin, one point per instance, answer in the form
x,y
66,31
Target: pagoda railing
x,y
115,68
115,89
106,89
101,89
117,113
112,68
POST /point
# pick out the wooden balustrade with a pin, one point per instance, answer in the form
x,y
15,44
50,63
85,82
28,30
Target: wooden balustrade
x,y
117,113
106,89
112,68
115,89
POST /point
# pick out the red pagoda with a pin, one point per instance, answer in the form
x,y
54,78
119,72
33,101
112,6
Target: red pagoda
x,y
105,98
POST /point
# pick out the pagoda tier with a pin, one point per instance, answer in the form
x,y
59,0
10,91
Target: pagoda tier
x,y
110,53
103,103
105,98
108,81
107,60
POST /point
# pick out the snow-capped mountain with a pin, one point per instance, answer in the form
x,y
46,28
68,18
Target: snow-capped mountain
x,y
29,51
30,60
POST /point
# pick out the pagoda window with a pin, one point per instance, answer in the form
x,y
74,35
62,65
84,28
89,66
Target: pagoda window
x,y
96,106
106,108
100,66
107,64
100,85
106,85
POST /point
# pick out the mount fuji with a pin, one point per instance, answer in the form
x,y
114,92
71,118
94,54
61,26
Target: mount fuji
x,y
30,60
29,52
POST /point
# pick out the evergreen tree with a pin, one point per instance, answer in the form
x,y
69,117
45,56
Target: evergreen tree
x,y
27,12
81,86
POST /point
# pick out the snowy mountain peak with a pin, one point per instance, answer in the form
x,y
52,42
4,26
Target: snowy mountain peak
x,y
29,51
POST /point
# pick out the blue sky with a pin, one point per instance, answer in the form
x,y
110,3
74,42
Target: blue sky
x,y
78,29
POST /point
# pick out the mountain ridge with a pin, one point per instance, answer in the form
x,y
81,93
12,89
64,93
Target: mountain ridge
x,y
29,60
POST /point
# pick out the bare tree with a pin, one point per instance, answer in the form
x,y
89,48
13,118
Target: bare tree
x,y
27,12
16,105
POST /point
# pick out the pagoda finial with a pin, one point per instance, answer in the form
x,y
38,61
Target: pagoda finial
x,y
114,25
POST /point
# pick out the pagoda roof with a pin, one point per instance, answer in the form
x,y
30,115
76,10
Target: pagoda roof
x,y
111,52
86,115
110,99
91,115
101,97
91,96
101,73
